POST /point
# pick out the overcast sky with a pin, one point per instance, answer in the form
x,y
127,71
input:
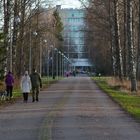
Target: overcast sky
x,y
69,3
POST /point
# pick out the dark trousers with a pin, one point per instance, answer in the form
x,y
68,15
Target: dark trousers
x,y
35,93
25,96
9,90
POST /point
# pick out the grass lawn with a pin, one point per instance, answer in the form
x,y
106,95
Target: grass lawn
x,y
129,102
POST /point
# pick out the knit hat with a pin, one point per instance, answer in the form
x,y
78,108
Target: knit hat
x,y
26,72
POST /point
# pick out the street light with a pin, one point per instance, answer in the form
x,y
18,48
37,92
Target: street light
x,y
56,61
35,33
68,62
40,43
30,50
52,58
60,63
44,56
48,62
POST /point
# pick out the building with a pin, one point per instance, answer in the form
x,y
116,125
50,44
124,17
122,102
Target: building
x,y
74,37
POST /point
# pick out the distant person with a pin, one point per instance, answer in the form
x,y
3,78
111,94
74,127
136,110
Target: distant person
x,y
54,74
74,73
36,85
25,86
9,82
67,74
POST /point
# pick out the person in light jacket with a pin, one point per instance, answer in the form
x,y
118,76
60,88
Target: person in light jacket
x,y
25,86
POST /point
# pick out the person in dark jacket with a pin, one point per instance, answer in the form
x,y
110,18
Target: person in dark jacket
x,y
9,81
36,85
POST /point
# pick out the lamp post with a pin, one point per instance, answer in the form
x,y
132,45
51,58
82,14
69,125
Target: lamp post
x,y
30,50
40,57
65,63
52,60
44,56
67,66
48,62
56,61
60,63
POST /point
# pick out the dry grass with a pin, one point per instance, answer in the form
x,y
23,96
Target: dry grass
x,y
115,89
2,86
124,85
16,85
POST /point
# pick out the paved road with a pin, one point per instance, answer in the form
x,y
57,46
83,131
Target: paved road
x,y
72,109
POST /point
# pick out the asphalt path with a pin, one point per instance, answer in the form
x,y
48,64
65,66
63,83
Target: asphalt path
x,y
72,109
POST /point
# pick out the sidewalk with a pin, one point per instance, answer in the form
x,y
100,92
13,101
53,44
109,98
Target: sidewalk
x,y
22,121
72,109
90,114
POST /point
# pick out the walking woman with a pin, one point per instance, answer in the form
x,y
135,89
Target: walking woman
x,y
25,86
9,81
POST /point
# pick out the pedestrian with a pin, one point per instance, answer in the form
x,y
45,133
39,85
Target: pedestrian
x,y
54,74
74,73
67,74
9,82
25,86
36,85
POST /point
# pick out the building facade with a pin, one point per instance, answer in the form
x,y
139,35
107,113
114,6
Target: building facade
x,y
74,37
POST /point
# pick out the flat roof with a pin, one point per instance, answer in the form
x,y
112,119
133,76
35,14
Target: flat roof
x,y
81,62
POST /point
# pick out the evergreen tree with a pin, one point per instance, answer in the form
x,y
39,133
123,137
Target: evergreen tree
x,y
58,25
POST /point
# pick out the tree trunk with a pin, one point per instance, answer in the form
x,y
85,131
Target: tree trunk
x,y
138,51
15,31
20,55
112,35
117,42
6,5
125,51
132,63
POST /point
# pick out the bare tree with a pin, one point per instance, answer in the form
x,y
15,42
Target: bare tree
x,y
132,63
138,50
120,18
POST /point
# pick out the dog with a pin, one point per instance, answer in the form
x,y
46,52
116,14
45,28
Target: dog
x,y
3,95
